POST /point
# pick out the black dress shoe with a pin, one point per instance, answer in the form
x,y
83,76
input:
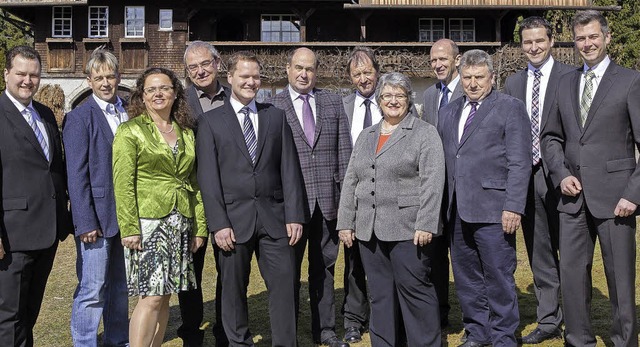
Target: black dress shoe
x,y
539,336
352,335
334,342
469,343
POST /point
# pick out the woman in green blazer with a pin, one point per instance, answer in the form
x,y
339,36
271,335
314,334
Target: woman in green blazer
x,y
158,201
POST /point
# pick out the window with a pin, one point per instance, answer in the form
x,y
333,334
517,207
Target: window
x,y
462,30
134,21
166,20
280,28
430,29
61,22
98,21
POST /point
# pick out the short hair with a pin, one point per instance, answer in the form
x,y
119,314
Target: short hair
x,y
199,45
454,47
476,57
293,51
179,111
24,51
395,80
535,22
588,16
360,55
236,57
100,59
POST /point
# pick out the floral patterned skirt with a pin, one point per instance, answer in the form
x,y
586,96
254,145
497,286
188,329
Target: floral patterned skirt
x,y
165,264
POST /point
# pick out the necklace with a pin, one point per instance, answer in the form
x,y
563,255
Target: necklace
x,y
388,129
166,132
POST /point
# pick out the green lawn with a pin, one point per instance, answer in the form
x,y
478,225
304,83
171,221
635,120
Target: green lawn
x,y
52,328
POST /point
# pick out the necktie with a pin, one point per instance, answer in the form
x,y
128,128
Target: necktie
x,y
41,140
367,114
535,117
587,96
249,134
308,123
445,96
113,110
472,113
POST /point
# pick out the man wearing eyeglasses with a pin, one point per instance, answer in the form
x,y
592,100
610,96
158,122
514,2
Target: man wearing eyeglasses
x,y
205,93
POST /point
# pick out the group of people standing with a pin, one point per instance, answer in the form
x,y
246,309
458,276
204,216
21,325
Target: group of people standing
x,y
149,180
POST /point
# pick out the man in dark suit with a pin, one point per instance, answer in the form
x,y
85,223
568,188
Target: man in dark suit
x,y
321,134
34,197
88,133
589,145
251,186
536,86
487,144
201,60
444,58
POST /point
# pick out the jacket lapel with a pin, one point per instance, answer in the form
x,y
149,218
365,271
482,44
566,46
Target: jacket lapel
x,y
101,120
292,116
482,111
603,89
21,125
319,115
550,94
263,129
575,92
349,107
405,126
233,125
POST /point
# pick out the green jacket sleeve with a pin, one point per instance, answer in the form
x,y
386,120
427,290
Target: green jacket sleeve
x,y
125,159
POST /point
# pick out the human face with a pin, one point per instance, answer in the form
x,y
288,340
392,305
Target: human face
x,y
443,62
396,107
536,45
245,81
591,42
476,82
104,83
301,72
159,94
364,77
23,79
202,68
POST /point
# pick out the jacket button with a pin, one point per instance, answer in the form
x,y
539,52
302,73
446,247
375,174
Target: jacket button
x,y
53,196
373,193
373,166
373,180
373,206
457,155
578,167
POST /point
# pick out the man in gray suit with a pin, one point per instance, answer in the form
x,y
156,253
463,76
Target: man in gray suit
x,y
536,86
321,134
444,58
589,145
487,144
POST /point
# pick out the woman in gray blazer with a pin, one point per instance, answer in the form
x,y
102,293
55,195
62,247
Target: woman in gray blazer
x,y
390,202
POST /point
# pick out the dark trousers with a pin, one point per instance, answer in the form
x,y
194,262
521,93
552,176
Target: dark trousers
x,y
23,278
540,230
484,260
398,275
323,245
355,307
276,261
191,306
440,273
578,235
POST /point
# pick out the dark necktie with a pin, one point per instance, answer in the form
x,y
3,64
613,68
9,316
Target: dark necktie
x,y
249,134
308,123
367,114
472,113
445,96
535,117
36,130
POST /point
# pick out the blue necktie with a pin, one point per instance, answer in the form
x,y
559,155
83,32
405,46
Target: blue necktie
x,y
41,140
472,113
249,134
445,96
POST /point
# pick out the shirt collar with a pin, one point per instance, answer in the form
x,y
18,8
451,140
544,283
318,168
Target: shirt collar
x,y
545,68
201,93
295,95
454,83
237,105
600,68
103,104
20,106
360,99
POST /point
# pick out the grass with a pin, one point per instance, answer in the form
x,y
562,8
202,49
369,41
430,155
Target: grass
x,y
52,328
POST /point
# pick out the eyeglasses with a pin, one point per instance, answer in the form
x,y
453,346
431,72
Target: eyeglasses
x,y
389,97
204,65
153,90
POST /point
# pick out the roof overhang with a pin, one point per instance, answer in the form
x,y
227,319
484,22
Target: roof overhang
x,y
33,3
476,7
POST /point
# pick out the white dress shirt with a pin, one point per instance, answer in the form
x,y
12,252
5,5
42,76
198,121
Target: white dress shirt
x,y
34,114
598,70
114,119
253,113
451,86
359,108
545,69
465,114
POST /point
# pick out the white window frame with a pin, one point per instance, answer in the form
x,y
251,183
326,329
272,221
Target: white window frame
x,y
461,31
62,21
280,33
98,22
134,29
170,13
430,30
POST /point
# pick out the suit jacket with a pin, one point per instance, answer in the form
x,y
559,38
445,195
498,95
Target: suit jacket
x,y
516,86
34,190
349,101
430,106
489,168
235,192
325,163
602,154
149,181
88,139
194,102
398,190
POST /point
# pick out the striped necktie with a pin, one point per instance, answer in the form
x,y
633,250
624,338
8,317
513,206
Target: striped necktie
x,y
445,96
535,117
36,130
587,96
249,134
472,113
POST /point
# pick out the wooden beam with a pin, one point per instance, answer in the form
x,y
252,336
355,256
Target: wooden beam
x,y
303,15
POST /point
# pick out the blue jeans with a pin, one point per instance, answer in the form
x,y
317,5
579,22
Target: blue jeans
x,y
101,292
